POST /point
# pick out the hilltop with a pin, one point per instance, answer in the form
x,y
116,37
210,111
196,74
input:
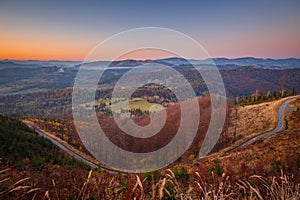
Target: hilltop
x,y
242,173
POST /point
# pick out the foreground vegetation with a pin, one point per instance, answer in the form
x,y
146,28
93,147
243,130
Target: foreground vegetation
x,y
268,169
93,185
19,147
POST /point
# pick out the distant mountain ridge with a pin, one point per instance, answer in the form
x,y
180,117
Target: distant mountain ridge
x,y
241,76
268,63
222,63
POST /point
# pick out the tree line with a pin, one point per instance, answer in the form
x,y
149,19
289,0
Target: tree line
x,y
262,96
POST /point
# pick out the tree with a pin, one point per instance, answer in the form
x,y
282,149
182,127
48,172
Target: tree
x,y
294,92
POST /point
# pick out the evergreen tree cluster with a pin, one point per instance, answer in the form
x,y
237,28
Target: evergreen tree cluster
x,y
260,97
19,147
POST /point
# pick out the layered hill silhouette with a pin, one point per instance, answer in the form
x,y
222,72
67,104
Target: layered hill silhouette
x,y
242,76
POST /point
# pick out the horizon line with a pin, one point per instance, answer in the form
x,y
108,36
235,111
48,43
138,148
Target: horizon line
x,y
107,60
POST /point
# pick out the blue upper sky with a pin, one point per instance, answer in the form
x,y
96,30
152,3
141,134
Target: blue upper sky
x,y
69,29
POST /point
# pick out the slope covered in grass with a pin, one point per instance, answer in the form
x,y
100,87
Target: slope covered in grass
x,y
266,169
20,147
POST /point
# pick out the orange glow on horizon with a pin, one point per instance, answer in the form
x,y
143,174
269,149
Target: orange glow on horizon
x,y
26,47
50,52
29,47
17,52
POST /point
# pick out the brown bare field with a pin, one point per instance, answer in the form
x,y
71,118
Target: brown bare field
x,y
249,121
279,151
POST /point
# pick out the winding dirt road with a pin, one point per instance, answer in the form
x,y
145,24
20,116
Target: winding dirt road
x,y
94,163
280,125
57,143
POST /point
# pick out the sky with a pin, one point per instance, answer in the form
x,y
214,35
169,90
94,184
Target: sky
x,y
69,30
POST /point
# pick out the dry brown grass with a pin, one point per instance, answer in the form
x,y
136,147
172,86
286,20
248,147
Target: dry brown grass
x,y
218,189
278,188
166,186
296,103
253,120
15,188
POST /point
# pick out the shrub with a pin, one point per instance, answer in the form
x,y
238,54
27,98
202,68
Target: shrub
x,y
181,174
216,168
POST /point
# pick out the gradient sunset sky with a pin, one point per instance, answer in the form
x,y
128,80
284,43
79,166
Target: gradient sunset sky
x,y
69,30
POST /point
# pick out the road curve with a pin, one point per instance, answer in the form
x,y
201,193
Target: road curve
x,y
280,125
73,154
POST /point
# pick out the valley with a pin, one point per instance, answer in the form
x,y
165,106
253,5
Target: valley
x,y
258,143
